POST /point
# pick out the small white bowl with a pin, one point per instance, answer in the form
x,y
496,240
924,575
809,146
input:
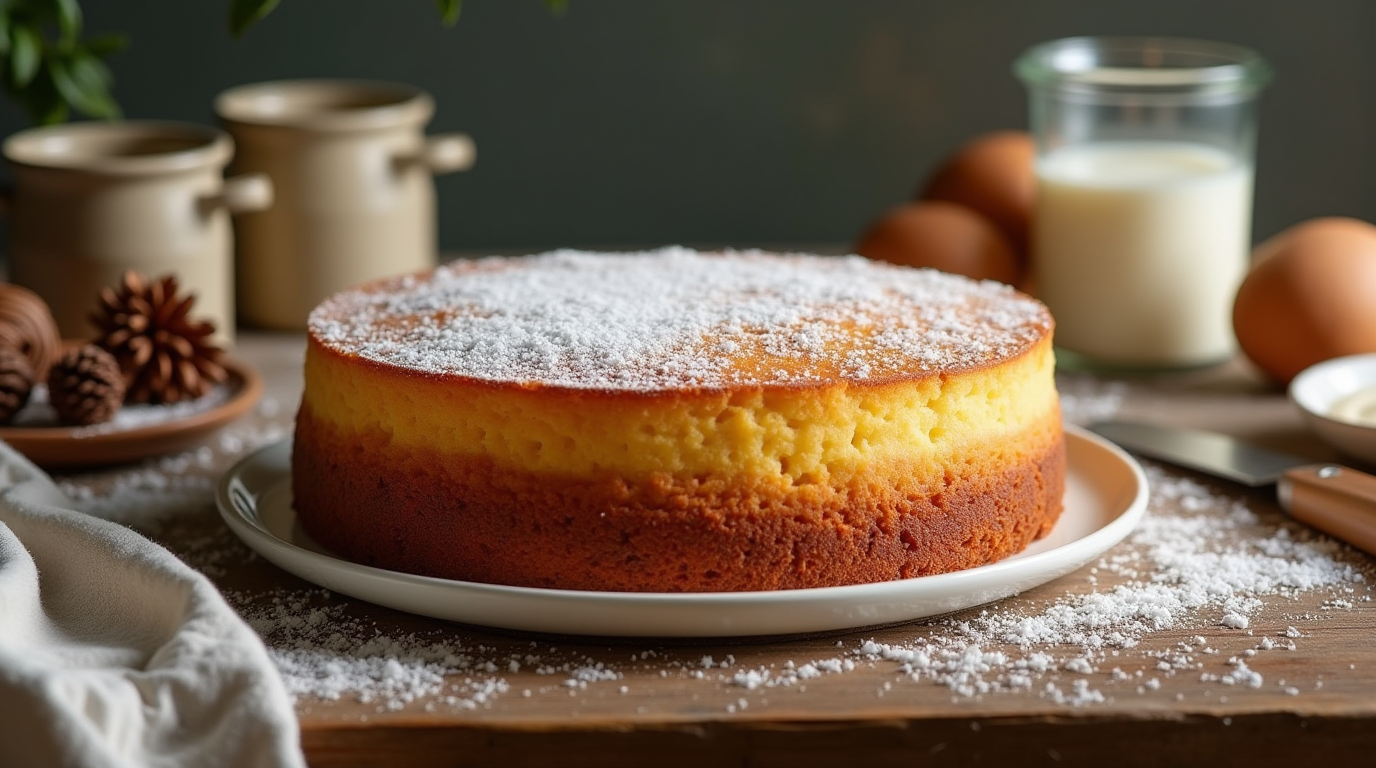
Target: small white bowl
x,y
1320,386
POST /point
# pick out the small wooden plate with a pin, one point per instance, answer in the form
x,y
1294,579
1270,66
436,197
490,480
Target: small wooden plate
x,y
63,447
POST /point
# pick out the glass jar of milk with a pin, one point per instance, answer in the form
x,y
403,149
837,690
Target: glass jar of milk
x,y
1142,227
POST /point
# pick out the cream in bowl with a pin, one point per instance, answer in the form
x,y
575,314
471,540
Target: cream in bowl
x,y
1338,400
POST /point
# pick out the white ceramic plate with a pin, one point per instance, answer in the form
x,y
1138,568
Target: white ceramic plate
x,y
1317,388
1106,494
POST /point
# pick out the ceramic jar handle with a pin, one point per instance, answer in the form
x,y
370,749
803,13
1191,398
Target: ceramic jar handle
x,y
246,193
449,152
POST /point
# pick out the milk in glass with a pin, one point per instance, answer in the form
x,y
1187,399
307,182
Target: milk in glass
x,y
1139,247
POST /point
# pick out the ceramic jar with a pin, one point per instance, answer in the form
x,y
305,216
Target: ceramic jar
x,y
355,198
92,200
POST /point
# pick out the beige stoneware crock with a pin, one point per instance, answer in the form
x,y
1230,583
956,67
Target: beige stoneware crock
x,y
91,200
355,198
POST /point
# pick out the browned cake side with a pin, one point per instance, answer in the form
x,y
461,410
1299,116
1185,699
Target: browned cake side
x,y
421,511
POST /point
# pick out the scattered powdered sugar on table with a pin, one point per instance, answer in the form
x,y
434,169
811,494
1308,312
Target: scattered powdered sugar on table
x,y
150,493
677,318
325,655
1197,565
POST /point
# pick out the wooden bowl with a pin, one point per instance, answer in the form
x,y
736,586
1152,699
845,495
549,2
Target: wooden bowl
x,y
59,447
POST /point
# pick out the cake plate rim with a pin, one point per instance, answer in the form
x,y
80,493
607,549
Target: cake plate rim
x,y
1106,496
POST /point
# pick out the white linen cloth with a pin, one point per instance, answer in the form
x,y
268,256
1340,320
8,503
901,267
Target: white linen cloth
x,y
115,653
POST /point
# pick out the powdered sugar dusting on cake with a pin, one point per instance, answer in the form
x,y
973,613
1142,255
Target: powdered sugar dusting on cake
x,y
675,318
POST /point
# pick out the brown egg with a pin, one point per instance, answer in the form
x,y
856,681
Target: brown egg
x,y
944,236
1310,296
993,174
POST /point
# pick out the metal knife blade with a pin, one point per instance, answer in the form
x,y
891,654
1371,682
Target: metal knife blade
x,y
1205,451
1337,500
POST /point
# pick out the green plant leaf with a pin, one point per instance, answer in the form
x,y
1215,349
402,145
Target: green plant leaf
x,y
83,85
68,14
4,33
26,52
245,13
449,11
103,45
47,68
40,99
88,68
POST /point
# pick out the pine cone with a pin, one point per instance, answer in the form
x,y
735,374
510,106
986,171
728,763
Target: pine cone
x,y
26,324
165,357
16,382
85,386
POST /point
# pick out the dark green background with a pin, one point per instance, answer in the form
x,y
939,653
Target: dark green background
x,y
627,123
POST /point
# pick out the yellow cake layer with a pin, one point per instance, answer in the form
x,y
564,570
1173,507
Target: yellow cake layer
x,y
797,435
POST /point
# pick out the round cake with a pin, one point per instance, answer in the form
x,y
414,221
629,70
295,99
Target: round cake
x,y
676,421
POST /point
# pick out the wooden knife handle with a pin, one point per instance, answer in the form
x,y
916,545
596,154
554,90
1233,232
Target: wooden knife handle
x,y
1339,501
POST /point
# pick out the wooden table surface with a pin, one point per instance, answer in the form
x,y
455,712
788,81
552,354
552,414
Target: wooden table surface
x,y
1167,695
